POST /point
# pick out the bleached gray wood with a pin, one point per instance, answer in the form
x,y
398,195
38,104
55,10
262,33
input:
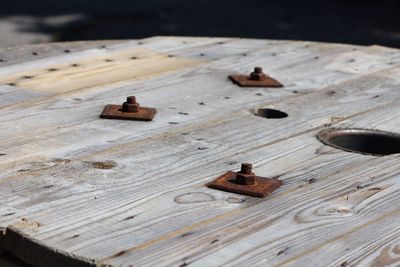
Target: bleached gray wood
x,y
193,84
292,156
23,53
323,216
80,190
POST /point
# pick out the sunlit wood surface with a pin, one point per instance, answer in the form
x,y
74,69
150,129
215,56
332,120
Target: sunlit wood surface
x,y
77,190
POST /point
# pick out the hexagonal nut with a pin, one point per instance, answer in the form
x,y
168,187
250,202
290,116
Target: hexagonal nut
x,y
257,76
128,107
245,179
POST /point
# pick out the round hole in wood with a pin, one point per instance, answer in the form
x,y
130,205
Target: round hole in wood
x,y
364,141
270,113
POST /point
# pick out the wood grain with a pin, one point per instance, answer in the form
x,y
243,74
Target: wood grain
x,y
82,191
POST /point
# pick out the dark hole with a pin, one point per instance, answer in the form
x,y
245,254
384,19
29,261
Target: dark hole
x,y
371,142
270,113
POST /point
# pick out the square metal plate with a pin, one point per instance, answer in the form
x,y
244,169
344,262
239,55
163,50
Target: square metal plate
x,y
245,81
263,186
115,112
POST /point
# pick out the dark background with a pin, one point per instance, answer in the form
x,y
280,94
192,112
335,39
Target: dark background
x,y
345,21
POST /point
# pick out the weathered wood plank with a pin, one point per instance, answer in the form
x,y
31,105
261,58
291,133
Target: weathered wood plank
x,y
320,200
340,96
11,95
307,171
200,89
139,199
98,71
24,53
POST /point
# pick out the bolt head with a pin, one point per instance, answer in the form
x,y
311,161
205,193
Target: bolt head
x,y
257,76
131,99
246,168
258,70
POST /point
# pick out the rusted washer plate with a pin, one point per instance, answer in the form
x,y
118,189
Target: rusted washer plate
x,y
261,188
115,112
245,81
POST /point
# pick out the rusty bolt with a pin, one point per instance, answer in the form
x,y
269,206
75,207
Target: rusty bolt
x,y
257,74
245,176
246,168
130,105
131,99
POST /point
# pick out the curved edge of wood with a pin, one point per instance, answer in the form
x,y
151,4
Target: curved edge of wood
x,y
33,252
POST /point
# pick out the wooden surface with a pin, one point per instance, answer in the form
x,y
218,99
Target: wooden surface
x,y
76,190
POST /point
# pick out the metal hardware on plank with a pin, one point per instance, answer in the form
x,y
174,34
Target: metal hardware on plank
x,y
256,79
129,110
245,182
